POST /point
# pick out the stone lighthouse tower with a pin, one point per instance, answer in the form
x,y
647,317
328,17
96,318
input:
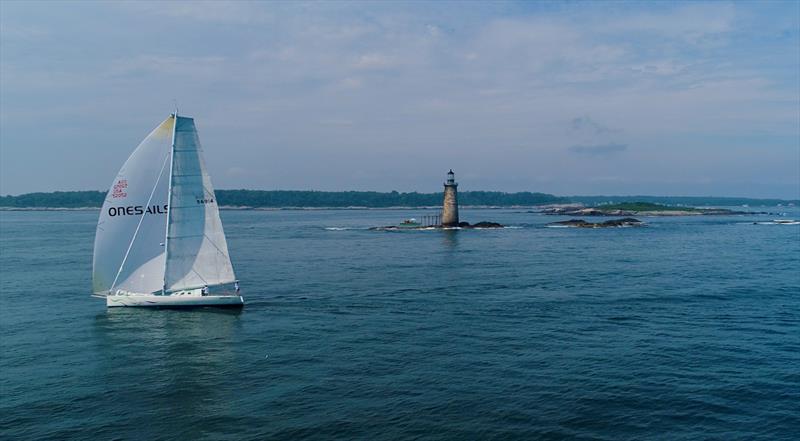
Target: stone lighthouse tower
x,y
450,207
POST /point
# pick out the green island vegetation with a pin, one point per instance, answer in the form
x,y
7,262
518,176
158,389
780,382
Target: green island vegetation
x,y
643,206
56,199
297,199
374,199
682,201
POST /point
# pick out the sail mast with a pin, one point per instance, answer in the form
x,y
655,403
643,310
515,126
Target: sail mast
x,y
169,200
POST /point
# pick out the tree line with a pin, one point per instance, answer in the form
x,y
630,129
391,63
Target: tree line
x,y
296,198
375,199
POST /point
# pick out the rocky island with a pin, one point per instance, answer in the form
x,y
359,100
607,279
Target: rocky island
x,y
614,223
635,209
461,225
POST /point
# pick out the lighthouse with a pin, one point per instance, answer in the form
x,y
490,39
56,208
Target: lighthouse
x,y
450,206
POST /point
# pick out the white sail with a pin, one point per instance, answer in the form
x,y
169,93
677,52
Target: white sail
x,y
129,242
197,252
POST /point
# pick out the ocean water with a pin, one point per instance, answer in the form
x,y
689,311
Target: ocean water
x,y
688,329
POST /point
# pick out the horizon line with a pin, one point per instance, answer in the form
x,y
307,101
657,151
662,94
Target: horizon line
x,y
797,200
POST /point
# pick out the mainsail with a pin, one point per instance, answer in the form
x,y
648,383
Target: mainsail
x,y
129,243
160,230
197,252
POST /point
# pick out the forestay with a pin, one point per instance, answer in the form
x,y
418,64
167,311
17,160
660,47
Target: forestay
x,y
129,242
196,247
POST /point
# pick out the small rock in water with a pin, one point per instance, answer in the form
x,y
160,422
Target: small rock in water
x,y
486,224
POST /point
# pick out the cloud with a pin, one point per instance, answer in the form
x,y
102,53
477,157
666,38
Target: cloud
x,y
689,22
167,65
587,124
433,31
218,11
374,61
599,149
14,31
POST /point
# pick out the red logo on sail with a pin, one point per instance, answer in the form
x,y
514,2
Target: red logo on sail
x,y
119,189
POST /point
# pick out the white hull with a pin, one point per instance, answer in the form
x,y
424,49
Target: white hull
x,y
174,300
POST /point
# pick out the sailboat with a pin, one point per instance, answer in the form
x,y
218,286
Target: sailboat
x,y
159,239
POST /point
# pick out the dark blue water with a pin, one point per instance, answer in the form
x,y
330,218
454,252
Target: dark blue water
x,y
686,329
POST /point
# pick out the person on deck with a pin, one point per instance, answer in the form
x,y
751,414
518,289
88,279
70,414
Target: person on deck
x,y
205,290
236,286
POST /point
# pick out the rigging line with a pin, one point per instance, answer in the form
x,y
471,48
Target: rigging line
x,y
136,232
220,251
215,246
201,277
205,282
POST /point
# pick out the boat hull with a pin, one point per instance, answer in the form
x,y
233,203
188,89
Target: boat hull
x,y
173,301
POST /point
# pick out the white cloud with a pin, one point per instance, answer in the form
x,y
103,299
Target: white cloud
x,y
15,31
374,61
222,11
599,150
168,65
689,22
351,83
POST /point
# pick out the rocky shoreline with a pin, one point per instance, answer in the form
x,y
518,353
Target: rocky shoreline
x,y
461,225
613,223
573,210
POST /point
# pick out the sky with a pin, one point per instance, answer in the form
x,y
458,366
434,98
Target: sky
x,y
659,98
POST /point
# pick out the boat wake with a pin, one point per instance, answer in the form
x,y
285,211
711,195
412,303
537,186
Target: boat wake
x,y
779,222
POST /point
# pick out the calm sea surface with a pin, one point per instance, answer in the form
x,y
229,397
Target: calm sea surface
x,y
686,329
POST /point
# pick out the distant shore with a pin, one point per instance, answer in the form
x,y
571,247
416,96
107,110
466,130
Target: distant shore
x,y
290,208
358,200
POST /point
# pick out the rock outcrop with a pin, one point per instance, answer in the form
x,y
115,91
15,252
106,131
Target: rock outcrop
x,y
647,210
613,223
462,225
483,224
